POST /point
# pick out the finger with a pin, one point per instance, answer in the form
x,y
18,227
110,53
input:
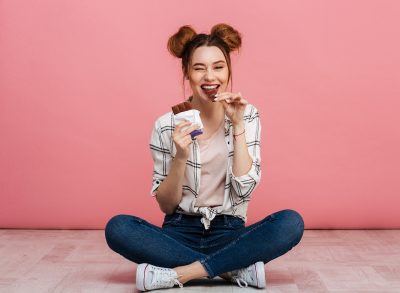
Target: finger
x,y
239,99
229,97
222,93
183,126
221,96
190,129
225,93
187,140
242,100
183,123
182,140
178,131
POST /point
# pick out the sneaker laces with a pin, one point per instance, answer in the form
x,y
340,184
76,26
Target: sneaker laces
x,y
243,275
238,280
166,277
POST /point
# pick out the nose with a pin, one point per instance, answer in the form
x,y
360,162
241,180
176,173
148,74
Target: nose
x,y
209,75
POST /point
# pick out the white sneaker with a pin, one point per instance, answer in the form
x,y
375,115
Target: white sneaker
x,y
149,277
253,275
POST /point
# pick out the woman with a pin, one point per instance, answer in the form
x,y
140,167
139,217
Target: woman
x,y
204,184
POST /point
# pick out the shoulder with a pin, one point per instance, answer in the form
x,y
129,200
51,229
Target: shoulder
x,y
165,120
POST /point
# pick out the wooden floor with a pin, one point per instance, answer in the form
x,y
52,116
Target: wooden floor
x,y
80,261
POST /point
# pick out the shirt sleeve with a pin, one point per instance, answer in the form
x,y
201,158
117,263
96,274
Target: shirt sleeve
x,y
244,185
161,156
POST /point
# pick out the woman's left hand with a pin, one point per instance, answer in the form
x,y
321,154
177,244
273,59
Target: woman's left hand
x,y
234,105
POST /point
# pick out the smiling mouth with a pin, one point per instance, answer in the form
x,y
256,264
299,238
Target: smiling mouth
x,y
210,91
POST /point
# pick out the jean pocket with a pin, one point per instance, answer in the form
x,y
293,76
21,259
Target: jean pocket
x,y
172,219
235,222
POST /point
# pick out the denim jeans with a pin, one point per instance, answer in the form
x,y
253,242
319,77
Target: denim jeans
x,y
226,246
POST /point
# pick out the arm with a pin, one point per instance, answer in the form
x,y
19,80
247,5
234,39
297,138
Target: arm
x,y
241,158
168,174
246,173
169,193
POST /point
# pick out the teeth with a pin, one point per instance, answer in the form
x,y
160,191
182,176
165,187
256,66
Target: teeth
x,y
209,87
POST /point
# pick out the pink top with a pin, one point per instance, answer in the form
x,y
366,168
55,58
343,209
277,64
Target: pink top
x,y
213,157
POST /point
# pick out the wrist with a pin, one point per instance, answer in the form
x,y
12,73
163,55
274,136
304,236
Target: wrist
x,y
238,131
238,127
180,159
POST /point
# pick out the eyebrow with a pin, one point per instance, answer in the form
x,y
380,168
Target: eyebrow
x,y
213,63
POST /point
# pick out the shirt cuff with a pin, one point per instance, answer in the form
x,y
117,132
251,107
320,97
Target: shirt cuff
x,y
246,178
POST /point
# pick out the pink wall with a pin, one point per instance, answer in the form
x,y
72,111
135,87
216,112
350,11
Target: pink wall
x,y
81,83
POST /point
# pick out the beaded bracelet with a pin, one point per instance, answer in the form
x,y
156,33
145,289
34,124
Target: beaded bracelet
x,y
234,136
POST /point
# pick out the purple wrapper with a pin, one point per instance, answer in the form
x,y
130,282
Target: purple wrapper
x,y
196,132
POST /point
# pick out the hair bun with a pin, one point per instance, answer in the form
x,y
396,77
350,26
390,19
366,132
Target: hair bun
x,y
228,34
177,42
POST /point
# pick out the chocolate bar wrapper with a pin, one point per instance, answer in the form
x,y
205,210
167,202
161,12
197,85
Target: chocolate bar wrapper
x,y
193,116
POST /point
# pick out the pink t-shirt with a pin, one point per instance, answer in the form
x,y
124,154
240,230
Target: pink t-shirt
x,y
213,157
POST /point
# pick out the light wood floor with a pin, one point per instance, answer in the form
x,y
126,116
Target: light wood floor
x,y
80,261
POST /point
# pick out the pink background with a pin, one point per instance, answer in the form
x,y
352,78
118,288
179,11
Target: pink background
x,y
81,83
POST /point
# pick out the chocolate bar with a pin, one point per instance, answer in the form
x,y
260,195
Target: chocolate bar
x,y
186,106
181,107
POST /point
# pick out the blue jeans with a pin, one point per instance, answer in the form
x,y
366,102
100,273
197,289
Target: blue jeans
x,y
226,246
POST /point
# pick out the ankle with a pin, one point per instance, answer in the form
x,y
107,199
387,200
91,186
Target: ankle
x,y
190,272
227,276
182,277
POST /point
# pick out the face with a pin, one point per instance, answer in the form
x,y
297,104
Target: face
x,y
208,69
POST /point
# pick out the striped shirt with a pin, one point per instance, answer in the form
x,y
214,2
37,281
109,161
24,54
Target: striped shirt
x,y
237,189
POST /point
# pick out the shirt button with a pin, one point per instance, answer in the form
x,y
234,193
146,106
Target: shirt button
x,y
228,142
157,181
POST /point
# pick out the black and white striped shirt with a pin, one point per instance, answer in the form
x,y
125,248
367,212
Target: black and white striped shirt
x,y
238,190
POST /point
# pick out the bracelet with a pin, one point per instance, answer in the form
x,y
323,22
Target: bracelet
x,y
234,136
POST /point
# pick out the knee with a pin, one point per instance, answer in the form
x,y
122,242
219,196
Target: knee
x,y
293,223
115,227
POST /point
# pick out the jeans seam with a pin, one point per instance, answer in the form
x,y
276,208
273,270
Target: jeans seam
x,y
207,268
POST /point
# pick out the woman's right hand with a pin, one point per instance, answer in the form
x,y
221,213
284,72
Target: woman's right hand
x,y
183,139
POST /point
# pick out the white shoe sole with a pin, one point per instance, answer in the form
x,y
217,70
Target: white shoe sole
x,y
260,271
140,276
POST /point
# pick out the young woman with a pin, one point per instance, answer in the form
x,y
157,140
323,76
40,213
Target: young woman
x,y
204,184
